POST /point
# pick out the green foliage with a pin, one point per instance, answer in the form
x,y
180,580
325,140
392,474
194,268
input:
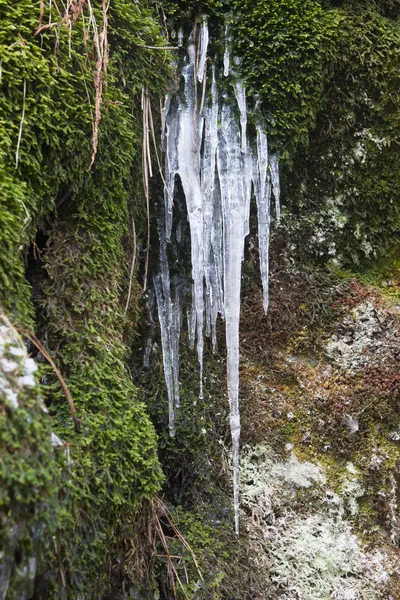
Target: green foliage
x,y
287,51
344,193
80,272
184,9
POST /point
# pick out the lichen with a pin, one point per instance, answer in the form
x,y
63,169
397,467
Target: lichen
x,y
304,543
29,474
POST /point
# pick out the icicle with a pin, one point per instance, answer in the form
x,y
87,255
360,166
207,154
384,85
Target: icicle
x,y
231,168
164,317
217,264
203,50
174,340
191,322
240,94
208,150
189,174
172,133
207,183
164,115
226,53
262,192
274,166
151,324
169,316
241,100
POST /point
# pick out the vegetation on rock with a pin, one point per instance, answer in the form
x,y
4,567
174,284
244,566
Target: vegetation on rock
x,y
74,518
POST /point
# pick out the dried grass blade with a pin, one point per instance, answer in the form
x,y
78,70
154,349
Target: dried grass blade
x,y
31,336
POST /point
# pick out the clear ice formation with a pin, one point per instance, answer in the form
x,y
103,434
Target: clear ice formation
x,y
226,53
218,169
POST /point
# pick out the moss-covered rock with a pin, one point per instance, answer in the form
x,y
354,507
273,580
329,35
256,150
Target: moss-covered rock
x,y
29,474
343,193
54,63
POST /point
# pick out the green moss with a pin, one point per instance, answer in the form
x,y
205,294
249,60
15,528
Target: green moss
x,y
343,193
288,78
80,271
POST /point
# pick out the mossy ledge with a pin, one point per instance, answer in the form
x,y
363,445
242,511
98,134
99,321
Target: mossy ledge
x,y
66,228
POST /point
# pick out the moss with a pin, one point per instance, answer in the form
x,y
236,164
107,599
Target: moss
x,y
213,563
343,193
79,265
289,79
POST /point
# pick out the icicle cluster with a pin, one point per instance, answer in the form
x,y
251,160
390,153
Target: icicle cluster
x,y
209,150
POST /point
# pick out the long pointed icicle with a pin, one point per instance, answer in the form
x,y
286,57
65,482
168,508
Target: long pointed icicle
x,y
233,191
262,193
190,179
274,166
226,53
203,51
162,286
206,147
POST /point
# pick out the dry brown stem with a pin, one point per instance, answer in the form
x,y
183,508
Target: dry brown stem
x,y
21,126
165,513
41,13
147,171
101,45
128,299
69,17
31,336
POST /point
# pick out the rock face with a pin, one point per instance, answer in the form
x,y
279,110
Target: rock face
x,y
320,496
303,531
305,539
364,339
319,375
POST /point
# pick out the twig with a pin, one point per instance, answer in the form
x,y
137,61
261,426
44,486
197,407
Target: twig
x,y
41,13
20,127
146,170
179,581
165,545
41,28
132,267
102,56
30,335
178,533
158,47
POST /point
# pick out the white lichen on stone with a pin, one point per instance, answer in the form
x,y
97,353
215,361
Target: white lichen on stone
x,y
16,368
362,338
302,541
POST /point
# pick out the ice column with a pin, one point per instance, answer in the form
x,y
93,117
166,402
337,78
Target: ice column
x,y
203,51
231,164
262,193
189,143
169,316
226,53
274,166
218,166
